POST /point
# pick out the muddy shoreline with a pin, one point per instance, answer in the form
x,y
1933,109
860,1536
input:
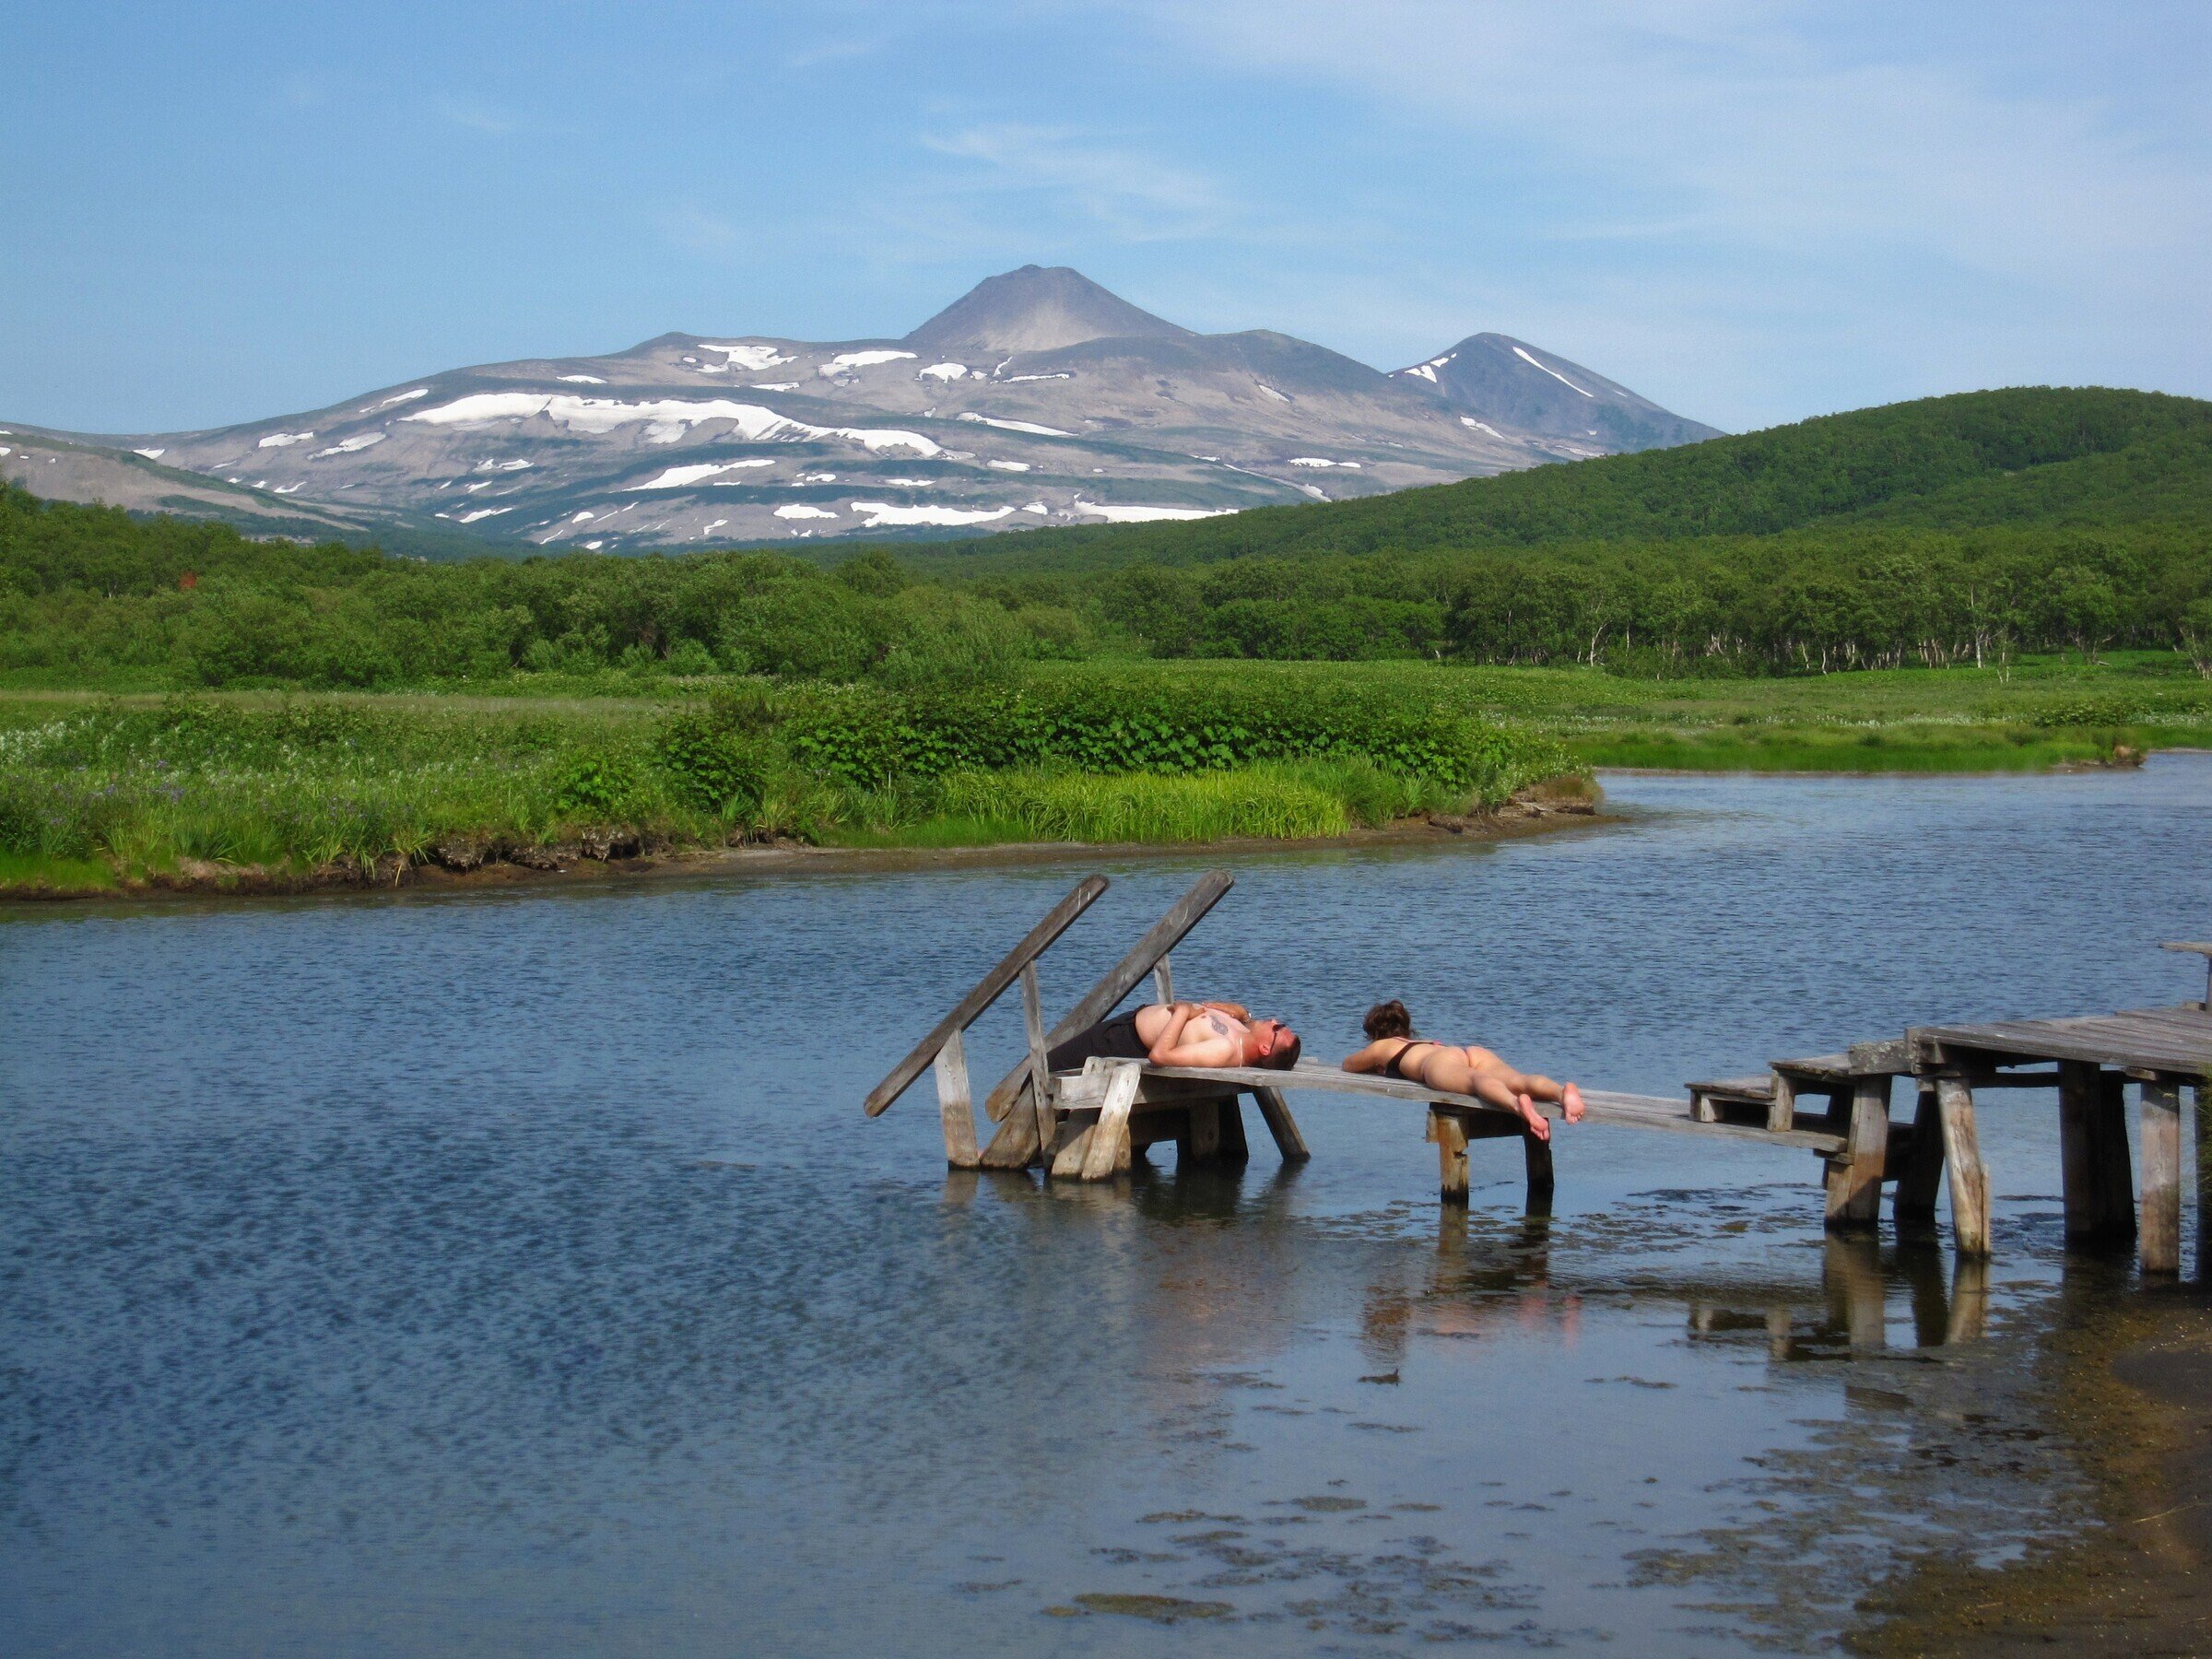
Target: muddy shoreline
x,y
2134,1384
464,865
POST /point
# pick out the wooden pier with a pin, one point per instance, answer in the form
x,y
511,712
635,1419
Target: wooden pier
x,y
1091,1125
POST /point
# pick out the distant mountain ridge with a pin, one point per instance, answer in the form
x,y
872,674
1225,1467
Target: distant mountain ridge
x,y
1038,398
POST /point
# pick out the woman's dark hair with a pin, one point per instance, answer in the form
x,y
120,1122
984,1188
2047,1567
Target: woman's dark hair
x,y
1387,1019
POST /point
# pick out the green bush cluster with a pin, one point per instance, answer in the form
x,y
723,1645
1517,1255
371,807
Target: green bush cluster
x,y
1112,725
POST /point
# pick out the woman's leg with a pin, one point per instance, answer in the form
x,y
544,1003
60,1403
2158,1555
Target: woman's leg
x,y
1451,1070
1539,1088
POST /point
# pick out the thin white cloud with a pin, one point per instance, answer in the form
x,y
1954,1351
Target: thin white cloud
x,y
1131,193
477,117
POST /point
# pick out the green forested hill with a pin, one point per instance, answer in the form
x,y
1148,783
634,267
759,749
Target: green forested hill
x,y
2033,456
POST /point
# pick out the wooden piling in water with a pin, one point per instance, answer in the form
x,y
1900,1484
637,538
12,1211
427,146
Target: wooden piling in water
x,y
2162,1225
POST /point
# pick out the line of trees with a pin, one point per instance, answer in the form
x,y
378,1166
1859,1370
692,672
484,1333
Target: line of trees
x,y
85,591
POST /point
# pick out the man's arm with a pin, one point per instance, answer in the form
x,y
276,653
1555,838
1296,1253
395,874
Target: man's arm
x,y
1192,1040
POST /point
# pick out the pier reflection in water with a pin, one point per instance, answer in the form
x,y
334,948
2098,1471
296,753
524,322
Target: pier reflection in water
x,y
518,1274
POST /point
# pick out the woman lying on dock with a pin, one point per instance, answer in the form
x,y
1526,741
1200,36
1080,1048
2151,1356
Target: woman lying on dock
x,y
1395,1052
1206,1034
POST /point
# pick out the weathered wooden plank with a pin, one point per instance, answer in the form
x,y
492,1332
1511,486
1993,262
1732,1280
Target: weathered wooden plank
x,y
1450,1134
987,991
2162,1234
1109,1150
1163,981
1018,1143
1854,1175
1962,1158
1124,976
1922,1177
1040,1073
953,1105
2115,1171
1276,1112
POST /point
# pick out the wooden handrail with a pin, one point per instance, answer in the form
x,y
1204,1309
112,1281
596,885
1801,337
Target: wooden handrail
x,y
1103,997
987,991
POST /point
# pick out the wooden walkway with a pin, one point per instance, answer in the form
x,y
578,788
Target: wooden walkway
x,y
1091,1125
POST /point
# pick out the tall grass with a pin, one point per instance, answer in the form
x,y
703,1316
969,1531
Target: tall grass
x,y
1275,803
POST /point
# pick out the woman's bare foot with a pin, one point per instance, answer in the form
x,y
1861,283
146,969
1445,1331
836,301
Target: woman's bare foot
x,y
1572,1099
1538,1125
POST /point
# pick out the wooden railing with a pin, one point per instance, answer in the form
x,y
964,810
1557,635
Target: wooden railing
x,y
1023,1135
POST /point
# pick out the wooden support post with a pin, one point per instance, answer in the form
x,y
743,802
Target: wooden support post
x,y
2204,1181
1781,1109
1163,981
953,1104
1235,1149
1855,1174
1281,1124
2093,1140
1108,1154
1536,1156
1450,1137
2161,1176
1963,1155
1202,1140
1922,1174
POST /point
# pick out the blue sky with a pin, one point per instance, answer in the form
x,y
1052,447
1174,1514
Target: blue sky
x,y
1750,212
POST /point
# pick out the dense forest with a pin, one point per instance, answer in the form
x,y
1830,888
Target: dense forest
x,y
1957,530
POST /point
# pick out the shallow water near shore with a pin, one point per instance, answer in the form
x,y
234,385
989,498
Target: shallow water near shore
x,y
516,1271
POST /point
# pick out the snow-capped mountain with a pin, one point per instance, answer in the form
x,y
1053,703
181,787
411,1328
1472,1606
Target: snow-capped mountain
x,y
1037,398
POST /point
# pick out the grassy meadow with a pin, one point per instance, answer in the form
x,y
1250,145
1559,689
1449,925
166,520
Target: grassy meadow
x,y
106,791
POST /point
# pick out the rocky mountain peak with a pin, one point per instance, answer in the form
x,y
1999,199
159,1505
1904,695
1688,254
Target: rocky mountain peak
x,y
1037,308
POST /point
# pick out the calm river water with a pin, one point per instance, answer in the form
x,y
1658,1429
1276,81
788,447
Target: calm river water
x,y
517,1273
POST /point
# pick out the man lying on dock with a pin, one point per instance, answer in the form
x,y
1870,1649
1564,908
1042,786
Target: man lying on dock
x,y
1200,1034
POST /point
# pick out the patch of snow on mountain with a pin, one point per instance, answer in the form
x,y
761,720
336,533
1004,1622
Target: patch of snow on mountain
x,y
1142,516
498,466
1271,391
676,477
400,398
283,489
666,419
355,445
1017,426
583,517
1015,379
593,546
774,387
1322,461
1484,426
283,440
882,512
1440,362
801,511
844,362
1318,495
1039,508
1010,466
943,371
1423,369
750,357
914,482
818,478
151,454
6,451
1553,373
484,512
583,379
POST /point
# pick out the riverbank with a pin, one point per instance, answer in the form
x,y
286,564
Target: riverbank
x,y
2133,1385
460,867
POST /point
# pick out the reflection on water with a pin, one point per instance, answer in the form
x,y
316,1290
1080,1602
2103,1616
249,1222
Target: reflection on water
x,y
517,1272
